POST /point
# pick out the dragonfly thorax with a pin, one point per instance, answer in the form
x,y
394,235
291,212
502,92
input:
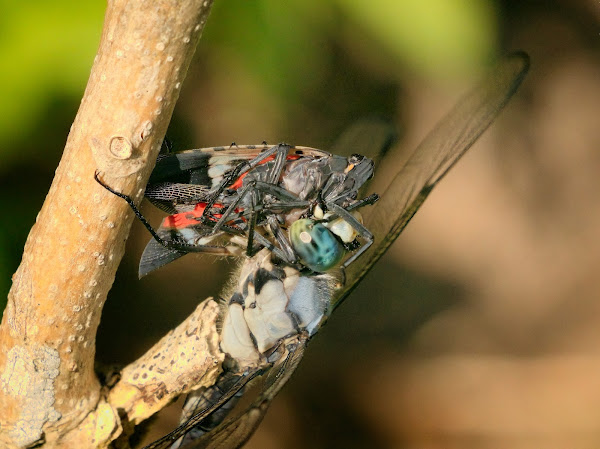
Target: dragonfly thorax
x,y
272,303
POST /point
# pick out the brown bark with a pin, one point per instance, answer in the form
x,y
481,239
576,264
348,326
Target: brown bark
x,y
185,359
48,388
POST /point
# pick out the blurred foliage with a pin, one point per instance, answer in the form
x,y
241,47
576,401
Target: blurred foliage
x,y
280,42
442,38
47,51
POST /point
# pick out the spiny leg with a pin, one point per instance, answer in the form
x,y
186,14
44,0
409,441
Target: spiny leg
x,y
280,237
252,224
357,226
367,201
281,152
285,199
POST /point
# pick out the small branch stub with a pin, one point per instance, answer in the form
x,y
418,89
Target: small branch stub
x,y
121,147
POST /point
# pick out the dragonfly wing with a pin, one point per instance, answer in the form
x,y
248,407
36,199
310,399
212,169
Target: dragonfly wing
x,y
369,137
180,431
235,432
432,159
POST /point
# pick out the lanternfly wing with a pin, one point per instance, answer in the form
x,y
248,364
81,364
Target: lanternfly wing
x,y
180,185
202,166
183,227
432,159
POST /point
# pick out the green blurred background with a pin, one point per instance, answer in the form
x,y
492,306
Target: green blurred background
x,y
480,327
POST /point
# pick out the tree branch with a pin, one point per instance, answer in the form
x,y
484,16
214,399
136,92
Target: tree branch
x,y
186,359
48,388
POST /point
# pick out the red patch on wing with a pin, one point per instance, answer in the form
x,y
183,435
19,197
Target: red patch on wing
x,y
185,219
193,217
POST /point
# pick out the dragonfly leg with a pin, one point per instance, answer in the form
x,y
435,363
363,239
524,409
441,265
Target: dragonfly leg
x,y
284,242
231,208
270,246
367,201
357,226
252,225
280,159
285,253
286,200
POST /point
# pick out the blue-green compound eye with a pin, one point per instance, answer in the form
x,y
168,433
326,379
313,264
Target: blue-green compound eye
x,y
317,246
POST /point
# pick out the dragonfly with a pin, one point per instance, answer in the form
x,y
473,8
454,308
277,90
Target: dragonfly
x,y
276,309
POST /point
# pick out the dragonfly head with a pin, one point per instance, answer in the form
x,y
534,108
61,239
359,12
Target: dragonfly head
x,y
316,245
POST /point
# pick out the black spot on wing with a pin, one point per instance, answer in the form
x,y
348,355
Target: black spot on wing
x,y
187,167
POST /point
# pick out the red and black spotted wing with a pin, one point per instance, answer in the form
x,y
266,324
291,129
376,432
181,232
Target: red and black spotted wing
x,y
183,183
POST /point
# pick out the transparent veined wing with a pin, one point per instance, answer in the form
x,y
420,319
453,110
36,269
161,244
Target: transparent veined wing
x,y
432,159
369,137
236,430
170,438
